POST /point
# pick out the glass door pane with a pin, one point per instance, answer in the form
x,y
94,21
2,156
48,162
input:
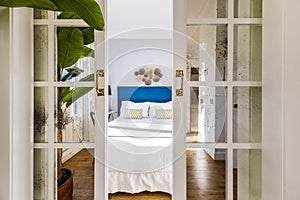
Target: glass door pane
x,y
198,9
248,8
248,170
207,52
206,175
207,114
64,104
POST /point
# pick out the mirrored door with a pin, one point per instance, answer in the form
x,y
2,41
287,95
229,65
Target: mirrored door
x,y
224,66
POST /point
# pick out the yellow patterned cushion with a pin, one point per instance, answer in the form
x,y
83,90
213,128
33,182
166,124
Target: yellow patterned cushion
x,y
163,113
134,113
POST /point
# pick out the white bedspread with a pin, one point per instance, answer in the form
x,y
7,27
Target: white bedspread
x,y
141,128
139,155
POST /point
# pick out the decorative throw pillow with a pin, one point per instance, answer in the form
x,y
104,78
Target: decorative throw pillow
x,y
143,106
159,106
135,106
163,113
133,113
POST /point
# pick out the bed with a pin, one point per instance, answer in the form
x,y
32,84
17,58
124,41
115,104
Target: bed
x,y
140,150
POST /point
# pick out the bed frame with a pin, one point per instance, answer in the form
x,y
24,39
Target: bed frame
x,y
144,94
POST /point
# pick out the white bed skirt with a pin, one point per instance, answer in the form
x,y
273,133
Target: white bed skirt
x,y
138,182
139,156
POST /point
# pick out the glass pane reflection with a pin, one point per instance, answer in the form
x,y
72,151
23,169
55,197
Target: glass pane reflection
x,y
207,52
207,114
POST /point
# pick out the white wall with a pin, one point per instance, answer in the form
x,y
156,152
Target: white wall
x,y
139,34
125,56
123,16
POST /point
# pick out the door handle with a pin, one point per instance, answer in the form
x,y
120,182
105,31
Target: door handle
x,y
179,82
100,82
92,114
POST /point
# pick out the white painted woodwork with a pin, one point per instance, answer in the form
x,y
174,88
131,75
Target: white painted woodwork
x,y
16,103
291,96
5,87
101,123
280,104
179,103
273,101
22,91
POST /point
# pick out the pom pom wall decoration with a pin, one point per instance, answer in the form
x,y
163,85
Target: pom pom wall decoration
x,y
148,75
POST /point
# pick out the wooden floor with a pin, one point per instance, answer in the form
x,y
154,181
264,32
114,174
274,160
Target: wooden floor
x,y
205,179
82,166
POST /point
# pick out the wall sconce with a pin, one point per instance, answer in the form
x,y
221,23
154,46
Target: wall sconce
x,y
179,82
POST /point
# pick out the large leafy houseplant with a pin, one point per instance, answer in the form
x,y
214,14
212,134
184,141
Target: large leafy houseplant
x,y
72,43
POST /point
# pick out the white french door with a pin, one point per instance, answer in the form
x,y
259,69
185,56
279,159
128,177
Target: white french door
x,y
224,72
274,160
220,57
80,131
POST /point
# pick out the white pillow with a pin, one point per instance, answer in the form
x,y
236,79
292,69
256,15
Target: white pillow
x,y
135,106
123,107
159,106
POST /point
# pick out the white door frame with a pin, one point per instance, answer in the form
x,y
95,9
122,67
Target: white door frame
x,y
179,103
274,144
16,104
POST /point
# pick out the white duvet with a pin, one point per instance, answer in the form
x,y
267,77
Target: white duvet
x,y
145,127
139,155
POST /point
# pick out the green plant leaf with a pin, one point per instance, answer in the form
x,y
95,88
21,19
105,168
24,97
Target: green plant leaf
x,y
68,15
63,92
69,96
77,93
72,73
88,78
70,42
88,35
89,11
42,4
62,5
87,52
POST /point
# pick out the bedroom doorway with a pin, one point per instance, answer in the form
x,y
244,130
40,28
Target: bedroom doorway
x,y
140,80
146,77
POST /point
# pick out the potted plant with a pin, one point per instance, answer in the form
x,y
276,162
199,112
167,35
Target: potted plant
x,y
71,48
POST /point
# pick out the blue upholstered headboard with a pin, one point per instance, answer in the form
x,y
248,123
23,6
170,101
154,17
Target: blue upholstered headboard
x,y
144,94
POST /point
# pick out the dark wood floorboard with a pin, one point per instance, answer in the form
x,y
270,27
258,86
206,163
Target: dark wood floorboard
x,y
82,166
205,179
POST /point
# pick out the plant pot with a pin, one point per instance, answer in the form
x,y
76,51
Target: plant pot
x,y
65,189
